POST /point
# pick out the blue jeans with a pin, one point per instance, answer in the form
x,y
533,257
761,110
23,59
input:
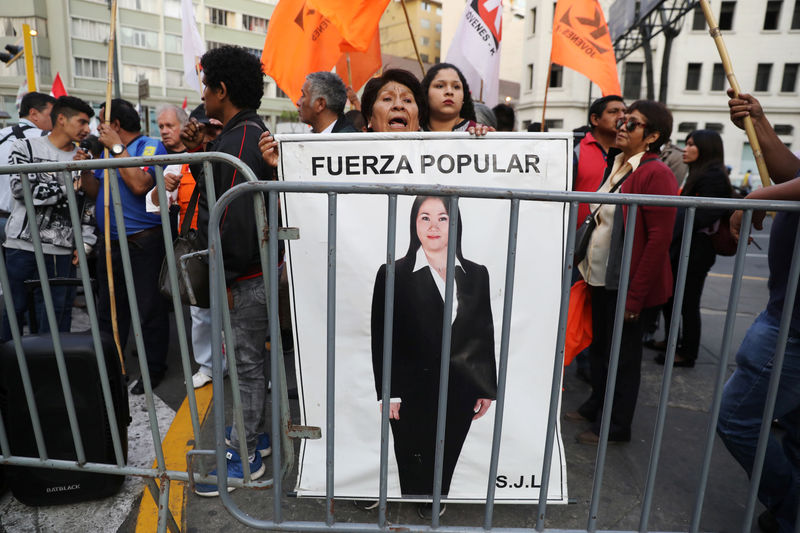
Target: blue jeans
x,y
21,266
742,408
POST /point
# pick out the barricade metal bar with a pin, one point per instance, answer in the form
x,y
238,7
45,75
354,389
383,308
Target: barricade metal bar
x,y
444,372
611,382
276,358
666,380
119,217
722,370
47,296
502,370
91,310
331,362
774,381
177,305
558,365
386,377
22,363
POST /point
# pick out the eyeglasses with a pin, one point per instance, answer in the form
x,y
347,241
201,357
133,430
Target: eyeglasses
x,y
630,124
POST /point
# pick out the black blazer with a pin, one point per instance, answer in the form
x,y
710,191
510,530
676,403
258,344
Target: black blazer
x,y
417,335
343,125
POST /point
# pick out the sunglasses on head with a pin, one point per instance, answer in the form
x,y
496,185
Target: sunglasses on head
x,y
630,124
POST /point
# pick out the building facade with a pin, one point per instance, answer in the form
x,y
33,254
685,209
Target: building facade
x,y
425,19
761,38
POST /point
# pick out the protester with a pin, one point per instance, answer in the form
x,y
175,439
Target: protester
x,y
356,118
640,134
505,117
71,124
707,178
123,138
34,114
171,120
745,394
485,115
321,104
234,85
394,101
672,156
450,106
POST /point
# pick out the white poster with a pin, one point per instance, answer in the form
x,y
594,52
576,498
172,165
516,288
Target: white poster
x,y
505,161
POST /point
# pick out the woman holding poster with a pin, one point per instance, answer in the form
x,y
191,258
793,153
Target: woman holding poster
x,y
417,343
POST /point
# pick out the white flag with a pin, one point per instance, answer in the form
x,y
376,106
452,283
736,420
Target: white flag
x,y
193,47
476,48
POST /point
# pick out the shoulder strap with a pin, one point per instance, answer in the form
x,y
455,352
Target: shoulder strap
x,y
17,131
620,182
187,218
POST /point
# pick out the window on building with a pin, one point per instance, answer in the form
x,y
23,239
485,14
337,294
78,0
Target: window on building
x,y
687,127
529,85
726,10
715,126
554,124
533,21
12,26
437,59
698,19
257,24
138,38
789,81
134,73
718,78
90,68
141,5
762,76
796,15
211,45
90,30
556,76
633,80
175,79
525,125
693,76
217,16
424,57
784,129
426,6
173,43
439,27
439,10
425,41
772,15
425,24
172,8
438,44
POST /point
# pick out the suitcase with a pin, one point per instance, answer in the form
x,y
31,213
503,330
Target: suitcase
x,y
44,486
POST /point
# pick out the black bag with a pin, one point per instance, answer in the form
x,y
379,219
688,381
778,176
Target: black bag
x,y
196,267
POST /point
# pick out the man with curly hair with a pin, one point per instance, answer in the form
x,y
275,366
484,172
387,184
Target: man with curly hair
x,y
234,84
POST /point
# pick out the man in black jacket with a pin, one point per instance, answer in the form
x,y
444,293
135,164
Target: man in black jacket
x,y
234,85
321,103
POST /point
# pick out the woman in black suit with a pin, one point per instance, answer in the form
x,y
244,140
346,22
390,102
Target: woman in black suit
x,y
417,344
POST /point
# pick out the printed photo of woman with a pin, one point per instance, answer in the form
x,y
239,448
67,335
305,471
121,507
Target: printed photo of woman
x,y
417,342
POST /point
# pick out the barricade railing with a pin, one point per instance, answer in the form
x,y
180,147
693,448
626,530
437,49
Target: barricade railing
x,y
283,454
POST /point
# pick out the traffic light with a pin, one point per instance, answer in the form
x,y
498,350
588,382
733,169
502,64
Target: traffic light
x,y
14,53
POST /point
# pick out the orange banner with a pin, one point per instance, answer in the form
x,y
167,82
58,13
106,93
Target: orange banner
x,y
362,64
581,42
357,20
300,40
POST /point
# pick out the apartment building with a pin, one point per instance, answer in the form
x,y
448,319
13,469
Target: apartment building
x,y
425,19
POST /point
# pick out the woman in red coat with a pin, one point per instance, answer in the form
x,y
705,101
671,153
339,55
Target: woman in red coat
x,y
640,134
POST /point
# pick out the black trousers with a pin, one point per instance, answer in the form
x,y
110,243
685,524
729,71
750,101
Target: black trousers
x,y
629,369
147,253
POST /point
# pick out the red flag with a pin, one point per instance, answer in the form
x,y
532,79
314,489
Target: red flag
x,y
300,40
57,90
362,64
357,20
581,42
185,103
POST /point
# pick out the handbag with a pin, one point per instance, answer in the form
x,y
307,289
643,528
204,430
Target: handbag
x,y
722,240
196,267
579,321
584,233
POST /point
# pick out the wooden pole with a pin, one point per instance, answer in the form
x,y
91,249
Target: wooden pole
x,y
413,40
106,194
749,129
546,87
349,72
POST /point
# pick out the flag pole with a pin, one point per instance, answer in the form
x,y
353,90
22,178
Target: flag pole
x,y
413,40
480,96
546,87
349,72
106,198
749,129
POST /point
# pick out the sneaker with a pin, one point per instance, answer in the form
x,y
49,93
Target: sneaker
x,y
425,510
199,379
235,471
263,444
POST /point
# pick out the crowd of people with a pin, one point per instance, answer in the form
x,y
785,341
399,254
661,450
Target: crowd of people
x,y
625,148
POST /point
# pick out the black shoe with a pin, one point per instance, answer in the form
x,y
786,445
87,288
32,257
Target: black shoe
x,y
138,387
679,361
425,510
767,522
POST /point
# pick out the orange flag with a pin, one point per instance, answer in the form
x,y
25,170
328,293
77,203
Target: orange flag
x,y
357,20
581,42
300,40
362,64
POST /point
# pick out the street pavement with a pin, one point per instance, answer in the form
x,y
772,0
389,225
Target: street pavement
x,y
625,471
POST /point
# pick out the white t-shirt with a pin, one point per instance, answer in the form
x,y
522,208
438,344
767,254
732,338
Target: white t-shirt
x,y
29,130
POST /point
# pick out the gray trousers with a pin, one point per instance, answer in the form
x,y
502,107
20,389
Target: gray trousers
x,y
250,328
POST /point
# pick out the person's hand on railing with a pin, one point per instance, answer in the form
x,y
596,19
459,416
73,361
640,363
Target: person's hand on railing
x,y
742,106
736,222
192,134
394,410
171,181
269,149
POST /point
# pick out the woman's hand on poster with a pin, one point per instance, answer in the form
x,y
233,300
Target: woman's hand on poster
x,y
394,410
480,129
481,406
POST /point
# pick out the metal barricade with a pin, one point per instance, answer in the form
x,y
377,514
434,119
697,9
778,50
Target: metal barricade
x,y
514,197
